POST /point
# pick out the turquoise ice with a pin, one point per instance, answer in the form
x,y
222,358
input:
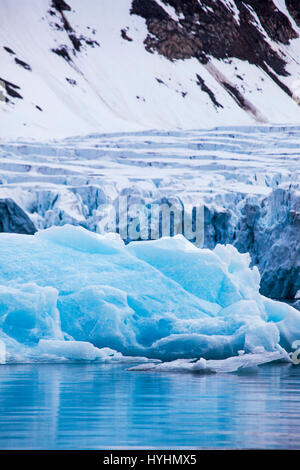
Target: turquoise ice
x,y
163,299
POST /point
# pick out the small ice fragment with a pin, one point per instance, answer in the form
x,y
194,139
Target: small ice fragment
x,y
259,350
2,352
68,349
241,352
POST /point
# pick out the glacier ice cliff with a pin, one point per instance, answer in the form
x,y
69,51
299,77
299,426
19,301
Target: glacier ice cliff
x,y
247,179
66,292
267,228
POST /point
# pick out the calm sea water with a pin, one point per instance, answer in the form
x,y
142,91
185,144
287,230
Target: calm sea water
x,y
104,407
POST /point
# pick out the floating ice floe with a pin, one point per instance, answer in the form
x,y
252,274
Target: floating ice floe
x,y
52,350
69,294
246,363
2,352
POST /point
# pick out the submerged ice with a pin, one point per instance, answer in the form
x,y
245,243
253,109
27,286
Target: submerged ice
x,y
70,294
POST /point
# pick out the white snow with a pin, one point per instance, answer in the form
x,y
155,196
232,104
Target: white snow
x,y
2,352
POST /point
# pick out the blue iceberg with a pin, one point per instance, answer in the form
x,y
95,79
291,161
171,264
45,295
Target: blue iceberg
x,y
69,294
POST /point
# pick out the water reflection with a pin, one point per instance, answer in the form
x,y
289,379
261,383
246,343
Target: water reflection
x,y
99,406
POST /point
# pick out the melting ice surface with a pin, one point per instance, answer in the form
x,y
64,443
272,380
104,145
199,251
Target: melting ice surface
x,y
69,294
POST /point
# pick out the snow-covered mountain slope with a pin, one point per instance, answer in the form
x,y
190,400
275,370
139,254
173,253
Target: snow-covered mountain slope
x,y
74,67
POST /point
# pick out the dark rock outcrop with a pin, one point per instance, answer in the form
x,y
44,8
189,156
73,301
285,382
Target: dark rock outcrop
x,y
209,28
13,219
11,89
59,7
274,22
293,7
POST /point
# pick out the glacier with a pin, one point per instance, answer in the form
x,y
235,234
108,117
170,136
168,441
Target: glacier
x,y
246,178
70,294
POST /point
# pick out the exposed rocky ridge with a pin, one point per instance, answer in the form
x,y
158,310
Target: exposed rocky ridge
x,y
59,7
10,89
294,8
209,28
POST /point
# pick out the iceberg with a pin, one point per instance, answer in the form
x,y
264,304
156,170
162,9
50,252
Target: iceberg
x,y
69,294
243,363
